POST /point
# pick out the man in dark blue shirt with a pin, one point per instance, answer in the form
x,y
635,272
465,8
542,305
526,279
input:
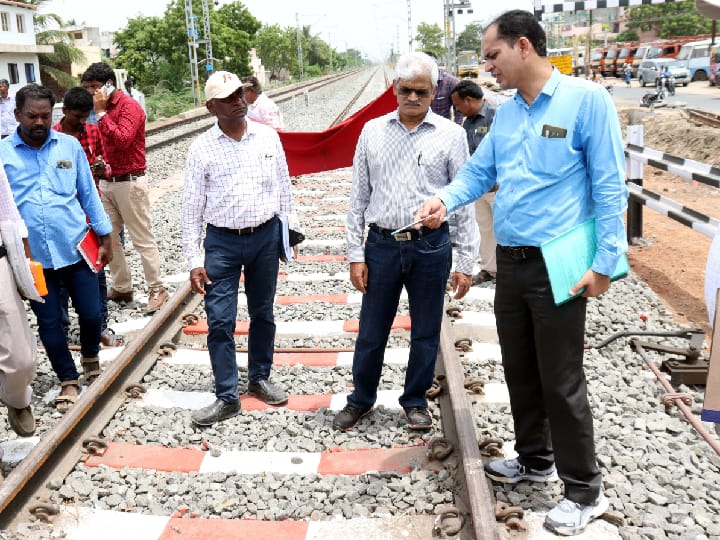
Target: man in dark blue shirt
x,y
468,99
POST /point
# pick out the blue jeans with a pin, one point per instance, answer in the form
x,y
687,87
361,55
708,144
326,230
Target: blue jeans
x,y
102,289
423,267
82,284
226,255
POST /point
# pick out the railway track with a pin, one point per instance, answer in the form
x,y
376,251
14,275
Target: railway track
x,y
195,121
704,117
92,440
97,491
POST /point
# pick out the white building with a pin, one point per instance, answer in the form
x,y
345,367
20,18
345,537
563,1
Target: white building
x,y
18,48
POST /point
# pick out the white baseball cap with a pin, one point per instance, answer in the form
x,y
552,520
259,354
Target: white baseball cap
x,y
221,84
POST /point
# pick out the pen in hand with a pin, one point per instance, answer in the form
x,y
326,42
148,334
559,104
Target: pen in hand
x,y
407,227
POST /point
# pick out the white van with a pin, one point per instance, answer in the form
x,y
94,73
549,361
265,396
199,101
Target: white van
x,y
695,56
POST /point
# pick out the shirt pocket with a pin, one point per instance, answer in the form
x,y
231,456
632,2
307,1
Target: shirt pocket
x,y
551,157
64,180
433,166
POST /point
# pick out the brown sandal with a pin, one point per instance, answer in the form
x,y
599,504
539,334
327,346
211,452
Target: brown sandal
x,y
63,402
91,368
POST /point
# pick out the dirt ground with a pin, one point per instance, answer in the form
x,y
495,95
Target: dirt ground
x,y
671,259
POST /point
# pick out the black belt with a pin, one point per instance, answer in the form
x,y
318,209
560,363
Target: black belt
x,y
126,177
3,251
521,253
412,234
238,232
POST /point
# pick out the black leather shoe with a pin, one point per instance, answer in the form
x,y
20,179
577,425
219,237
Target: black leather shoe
x,y
22,421
348,417
267,392
418,418
215,412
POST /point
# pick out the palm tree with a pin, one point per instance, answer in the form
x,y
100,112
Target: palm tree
x,y
55,65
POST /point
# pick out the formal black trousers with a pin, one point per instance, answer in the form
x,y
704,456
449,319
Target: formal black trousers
x,y
542,353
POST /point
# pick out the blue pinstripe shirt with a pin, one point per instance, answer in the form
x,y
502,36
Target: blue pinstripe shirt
x,y
396,170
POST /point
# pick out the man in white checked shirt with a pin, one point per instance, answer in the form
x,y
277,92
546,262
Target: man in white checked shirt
x,y
236,181
17,342
399,158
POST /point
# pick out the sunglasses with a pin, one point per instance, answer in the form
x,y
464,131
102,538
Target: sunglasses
x,y
235,96
421,93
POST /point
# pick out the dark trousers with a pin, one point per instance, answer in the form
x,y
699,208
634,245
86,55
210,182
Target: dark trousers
x,y
102,289
542,352
422,266
82,284
226,256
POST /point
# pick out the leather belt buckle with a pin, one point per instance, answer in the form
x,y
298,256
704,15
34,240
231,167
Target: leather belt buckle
x,y
403,236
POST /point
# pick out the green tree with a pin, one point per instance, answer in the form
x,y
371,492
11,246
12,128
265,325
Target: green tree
x,y
277,48
628,35
672,19
470,39
167,65
430,38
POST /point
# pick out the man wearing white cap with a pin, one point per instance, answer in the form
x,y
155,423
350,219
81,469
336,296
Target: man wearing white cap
x,y
236,181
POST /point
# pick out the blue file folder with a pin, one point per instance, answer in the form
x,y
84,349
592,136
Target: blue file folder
x,y
570,255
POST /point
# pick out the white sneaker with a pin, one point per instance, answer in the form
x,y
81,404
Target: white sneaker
x,y
511,471
569,518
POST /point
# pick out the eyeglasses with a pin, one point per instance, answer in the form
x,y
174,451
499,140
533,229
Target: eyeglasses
x,y
235,96
421,93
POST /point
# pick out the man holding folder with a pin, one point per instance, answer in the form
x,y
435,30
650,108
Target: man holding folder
x,y
556,152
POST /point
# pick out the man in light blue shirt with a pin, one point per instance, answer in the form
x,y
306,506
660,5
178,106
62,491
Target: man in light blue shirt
x,y
556,152
55,192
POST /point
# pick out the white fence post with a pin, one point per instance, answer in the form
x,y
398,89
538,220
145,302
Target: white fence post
x,y
635,135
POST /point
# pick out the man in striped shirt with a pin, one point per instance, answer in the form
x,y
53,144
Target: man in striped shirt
x,y
400,158
236,181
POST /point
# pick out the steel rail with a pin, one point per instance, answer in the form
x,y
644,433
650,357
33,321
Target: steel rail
x,y
59,450
279,95
677,401
703,117
479,496
354,99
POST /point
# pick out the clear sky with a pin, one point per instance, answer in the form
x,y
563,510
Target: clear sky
x,y
372,26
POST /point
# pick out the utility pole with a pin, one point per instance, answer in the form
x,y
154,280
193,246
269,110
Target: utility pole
x,y
208,40
299,40
410,36
451,8
192,36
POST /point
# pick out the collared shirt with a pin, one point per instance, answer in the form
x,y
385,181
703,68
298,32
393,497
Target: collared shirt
x,y
558,162
476,127
233,184
8,124
396,170
54,191
8,208
92,144
442,102
123,133
266,112
138,96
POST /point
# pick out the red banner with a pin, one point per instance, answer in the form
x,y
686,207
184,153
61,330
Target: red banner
x,y
333,148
